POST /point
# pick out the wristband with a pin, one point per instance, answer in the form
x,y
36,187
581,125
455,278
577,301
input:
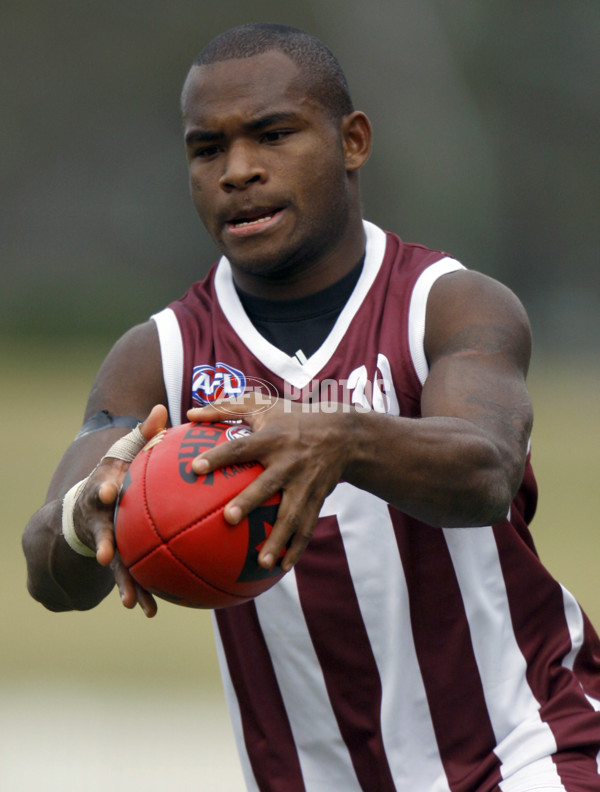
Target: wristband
x,y
104,420
68,525
127,447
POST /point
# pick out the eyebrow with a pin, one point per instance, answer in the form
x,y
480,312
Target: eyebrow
x,y
255,125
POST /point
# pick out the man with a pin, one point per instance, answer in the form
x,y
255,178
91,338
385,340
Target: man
x,y
416,641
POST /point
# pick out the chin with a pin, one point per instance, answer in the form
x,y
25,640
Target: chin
x,y
267,266
271,271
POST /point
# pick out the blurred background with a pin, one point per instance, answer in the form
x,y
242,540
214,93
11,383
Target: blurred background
x,y
487,145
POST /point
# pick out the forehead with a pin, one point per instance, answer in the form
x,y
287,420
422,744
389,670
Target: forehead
x,y
244,86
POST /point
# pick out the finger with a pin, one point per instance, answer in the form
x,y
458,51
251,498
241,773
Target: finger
x,y
132,593
125,583
108,491
105,550
291,533
217,410
251,497
276,543
299,543
93,518
244,407
101,525
243,449
102,531
155,422
146,601
208,413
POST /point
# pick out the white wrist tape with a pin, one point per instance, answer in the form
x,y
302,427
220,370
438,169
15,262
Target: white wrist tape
x,y
128,447
68,526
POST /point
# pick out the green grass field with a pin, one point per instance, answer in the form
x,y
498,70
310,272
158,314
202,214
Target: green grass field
x,y
43,396
105,699
42,399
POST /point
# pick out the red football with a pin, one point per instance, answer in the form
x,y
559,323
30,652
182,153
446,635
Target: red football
x,y
169,524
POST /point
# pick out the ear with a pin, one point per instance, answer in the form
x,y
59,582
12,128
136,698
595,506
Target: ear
x,y
356,137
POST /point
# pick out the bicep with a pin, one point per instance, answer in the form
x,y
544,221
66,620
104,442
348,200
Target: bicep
x,y
478,344
129,382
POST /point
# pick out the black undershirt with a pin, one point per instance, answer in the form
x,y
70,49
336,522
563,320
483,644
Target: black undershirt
x,y
302,323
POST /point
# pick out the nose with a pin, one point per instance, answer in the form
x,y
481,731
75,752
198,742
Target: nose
x,y
242,167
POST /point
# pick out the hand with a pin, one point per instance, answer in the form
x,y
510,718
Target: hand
x,y
94,517
304,454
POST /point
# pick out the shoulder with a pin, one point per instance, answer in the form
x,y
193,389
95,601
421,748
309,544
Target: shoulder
x,y
138,346
468,312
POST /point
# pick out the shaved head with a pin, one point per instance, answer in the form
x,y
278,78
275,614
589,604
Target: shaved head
x,y
321,73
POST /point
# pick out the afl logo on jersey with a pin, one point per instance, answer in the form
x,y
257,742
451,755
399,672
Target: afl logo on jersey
x,y
221,381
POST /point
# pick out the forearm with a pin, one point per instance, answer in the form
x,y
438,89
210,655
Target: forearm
x,y
442,471
128,385
58,577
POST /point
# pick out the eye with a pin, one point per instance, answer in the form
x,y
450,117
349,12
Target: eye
x,y
204,152
275,135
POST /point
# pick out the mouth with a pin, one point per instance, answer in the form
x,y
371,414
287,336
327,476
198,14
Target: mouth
x,y
252,221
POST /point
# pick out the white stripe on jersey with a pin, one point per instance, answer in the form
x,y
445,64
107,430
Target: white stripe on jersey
x,y
513,709
171,350
323,755
234,712
574,618
538,776
409,740
418,309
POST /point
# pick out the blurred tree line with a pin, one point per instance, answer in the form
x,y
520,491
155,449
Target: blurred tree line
x,y
487,145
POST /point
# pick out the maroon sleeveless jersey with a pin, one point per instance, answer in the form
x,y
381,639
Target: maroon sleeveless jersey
x,y
395,656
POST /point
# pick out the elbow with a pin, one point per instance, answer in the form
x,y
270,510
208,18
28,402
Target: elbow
x,y
40,584
495,501
485,477
40,594
493,487
45,589
483,502
58,581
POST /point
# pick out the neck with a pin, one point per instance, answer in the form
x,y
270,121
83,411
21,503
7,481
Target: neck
x,y
315,274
